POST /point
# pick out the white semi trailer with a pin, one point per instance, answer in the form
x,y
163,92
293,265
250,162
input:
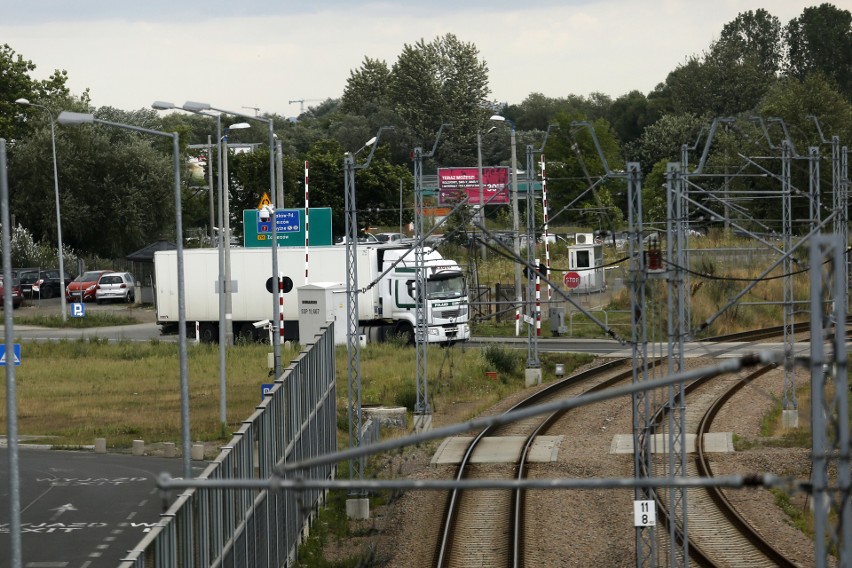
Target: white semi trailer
x,y
384,307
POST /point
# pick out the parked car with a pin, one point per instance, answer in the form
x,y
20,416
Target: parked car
x,y
390,237
27,277
83,287
16,293
49,285
366,238
116,286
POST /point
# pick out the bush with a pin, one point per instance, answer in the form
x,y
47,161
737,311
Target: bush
x,y
500,359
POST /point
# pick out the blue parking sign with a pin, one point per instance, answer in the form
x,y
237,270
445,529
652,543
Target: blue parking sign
x,y
78,310
266,390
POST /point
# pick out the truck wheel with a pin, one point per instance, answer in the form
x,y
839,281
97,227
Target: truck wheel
x,y
208,332
406,330
246,334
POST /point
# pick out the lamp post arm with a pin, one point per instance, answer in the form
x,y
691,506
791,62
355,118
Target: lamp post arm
x,y
546,134
588,125
437,138
373,149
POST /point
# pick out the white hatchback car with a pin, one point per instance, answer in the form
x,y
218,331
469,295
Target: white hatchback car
x,y
116,286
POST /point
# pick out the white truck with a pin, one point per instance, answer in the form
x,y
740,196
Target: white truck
x,y
386,307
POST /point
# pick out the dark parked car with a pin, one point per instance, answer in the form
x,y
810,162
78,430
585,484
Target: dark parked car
x,y
49,285
27,278
17,294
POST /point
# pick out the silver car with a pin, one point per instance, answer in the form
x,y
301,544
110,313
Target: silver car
x,y
116,286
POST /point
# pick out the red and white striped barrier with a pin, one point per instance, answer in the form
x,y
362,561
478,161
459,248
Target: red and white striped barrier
x,y
281,307
537,301
307,221
544,217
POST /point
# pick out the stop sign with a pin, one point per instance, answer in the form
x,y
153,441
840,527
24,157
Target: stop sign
x,y
571,279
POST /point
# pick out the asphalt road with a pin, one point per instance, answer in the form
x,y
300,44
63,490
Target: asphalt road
x,y
146,330
81,509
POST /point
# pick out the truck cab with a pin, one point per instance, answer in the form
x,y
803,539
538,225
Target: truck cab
x,y
446,295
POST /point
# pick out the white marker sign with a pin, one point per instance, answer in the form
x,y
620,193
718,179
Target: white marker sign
x,y
644,514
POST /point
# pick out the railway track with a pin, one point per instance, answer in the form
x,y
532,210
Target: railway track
x,y
714,526
485,527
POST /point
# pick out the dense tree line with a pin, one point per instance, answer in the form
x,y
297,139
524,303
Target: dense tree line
x,y
116,185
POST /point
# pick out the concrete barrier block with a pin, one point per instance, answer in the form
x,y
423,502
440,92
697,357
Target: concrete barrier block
x,y
198,452
100,445
138,447
169,449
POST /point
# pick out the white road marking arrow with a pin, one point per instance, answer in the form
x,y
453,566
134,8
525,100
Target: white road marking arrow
x,y
64,508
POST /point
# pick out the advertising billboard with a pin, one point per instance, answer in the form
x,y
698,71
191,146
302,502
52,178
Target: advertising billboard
x,y
456,183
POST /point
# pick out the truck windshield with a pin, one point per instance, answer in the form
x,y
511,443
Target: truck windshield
x,y
443,288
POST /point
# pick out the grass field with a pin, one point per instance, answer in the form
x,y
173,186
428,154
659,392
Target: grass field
x,y
75,391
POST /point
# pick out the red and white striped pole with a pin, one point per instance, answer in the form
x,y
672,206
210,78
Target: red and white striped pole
x,y
307,221
537,301
544,217
281,307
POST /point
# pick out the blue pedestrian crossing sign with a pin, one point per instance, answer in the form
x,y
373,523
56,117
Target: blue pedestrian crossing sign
x,y
16,351
78,310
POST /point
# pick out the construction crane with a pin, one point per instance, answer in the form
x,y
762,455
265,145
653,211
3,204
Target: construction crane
x,y
255,109
302,104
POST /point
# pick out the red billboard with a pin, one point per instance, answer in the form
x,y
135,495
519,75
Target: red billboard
x,y
455,183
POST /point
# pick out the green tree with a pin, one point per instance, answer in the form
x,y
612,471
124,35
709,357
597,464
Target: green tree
x,y
16,83
755,34
630,114
366,88
820,41
442,81
662,141
116,186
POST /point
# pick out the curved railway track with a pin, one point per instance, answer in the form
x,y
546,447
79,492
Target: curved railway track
x,y
484,527
714,526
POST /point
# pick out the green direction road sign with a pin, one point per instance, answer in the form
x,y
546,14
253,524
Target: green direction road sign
x,y
290,228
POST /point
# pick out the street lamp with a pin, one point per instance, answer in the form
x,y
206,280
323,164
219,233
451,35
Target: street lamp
x,y
77,118
56,194
224,317
276,339
515,240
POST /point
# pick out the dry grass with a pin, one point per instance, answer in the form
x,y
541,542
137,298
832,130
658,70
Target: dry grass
x,y
76,391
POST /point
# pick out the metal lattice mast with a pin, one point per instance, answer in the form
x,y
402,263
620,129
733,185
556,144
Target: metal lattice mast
x,y
685,258
813,171
675,245
645,536
790,402
353,342
832,476
421,408
530,310
839,195
844,211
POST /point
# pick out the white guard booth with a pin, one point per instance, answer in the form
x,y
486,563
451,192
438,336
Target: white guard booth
x,y
585,258
320,303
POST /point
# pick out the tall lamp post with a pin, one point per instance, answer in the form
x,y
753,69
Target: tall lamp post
x,y
56,194
77,118
222,207
515,227
276,339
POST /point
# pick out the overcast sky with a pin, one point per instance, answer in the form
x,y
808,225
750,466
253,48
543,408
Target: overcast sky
x,y
265,53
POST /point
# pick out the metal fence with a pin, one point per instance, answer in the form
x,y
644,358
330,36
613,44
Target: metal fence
x,y
249,527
